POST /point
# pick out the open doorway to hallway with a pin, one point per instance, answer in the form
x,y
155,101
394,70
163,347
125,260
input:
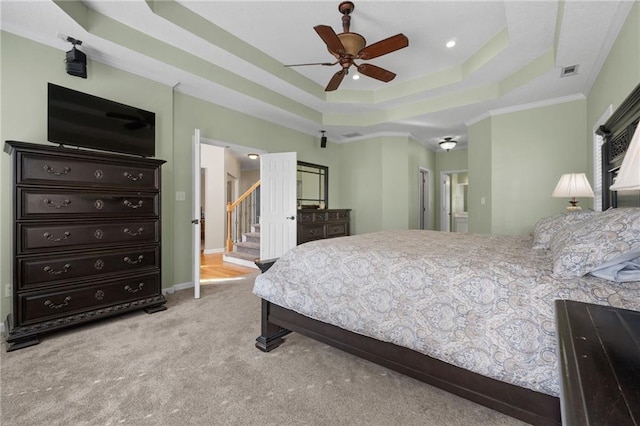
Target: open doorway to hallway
x,y
225,171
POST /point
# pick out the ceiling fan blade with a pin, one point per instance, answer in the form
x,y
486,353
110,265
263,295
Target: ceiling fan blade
x,y
312,63
330,38
335,81
383,47
376,72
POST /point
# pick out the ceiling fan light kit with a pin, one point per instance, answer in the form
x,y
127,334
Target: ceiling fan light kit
x,y
347,47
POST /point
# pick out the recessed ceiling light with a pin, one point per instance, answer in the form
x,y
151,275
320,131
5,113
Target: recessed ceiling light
x,y
451,43
356,77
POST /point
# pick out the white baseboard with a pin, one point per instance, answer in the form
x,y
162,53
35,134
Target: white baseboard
x,y
216,250
177,287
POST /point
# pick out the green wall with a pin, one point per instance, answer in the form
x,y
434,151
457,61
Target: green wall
x,y
479,166
516,159
528,152
420,158
380,182
26,68
619,75
531,150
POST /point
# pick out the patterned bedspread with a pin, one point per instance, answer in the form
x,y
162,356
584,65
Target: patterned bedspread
x,y
482,302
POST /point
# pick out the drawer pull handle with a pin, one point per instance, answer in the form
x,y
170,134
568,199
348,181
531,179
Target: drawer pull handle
x,y
50,237
312,232
133,206
134,290
50,170
132,177
49,203
128,260
52,305
52,271
133,234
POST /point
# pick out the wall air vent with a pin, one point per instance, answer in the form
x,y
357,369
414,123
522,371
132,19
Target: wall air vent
x,y
352,135
568,71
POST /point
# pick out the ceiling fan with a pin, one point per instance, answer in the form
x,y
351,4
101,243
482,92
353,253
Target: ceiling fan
x,y
348,47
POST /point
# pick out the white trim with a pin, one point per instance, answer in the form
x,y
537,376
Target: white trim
x,y
524,107
177,287
377,135
216,250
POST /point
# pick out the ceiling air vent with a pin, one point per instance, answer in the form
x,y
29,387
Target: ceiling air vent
x,y
568,71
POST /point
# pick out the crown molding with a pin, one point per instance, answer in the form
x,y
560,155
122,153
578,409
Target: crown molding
x,y
524,107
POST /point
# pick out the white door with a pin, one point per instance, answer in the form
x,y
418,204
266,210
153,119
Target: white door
x,y
277,204
445,214
195,213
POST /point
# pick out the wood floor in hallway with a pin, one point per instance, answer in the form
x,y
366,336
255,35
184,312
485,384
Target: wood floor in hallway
x,y
213,268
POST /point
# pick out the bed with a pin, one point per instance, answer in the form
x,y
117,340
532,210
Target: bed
x,y
479,325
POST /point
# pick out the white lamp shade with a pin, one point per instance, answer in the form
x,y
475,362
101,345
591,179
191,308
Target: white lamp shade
x,y
628,178
573,185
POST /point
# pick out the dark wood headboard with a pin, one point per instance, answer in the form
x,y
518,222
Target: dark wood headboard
x,y
617,133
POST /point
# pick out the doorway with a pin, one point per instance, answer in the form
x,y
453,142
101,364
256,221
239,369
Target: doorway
x,y
454,215
224,168
424,204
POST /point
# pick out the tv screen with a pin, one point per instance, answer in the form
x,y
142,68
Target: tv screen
x,y
83,120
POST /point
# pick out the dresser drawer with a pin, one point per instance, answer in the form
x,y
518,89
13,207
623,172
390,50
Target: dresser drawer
x,y
56,204
42,169
35,271
311,232
33,238
336,229
337,216
46,305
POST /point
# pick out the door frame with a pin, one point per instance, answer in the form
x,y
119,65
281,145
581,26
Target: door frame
x,y
425,204
196,204
442,195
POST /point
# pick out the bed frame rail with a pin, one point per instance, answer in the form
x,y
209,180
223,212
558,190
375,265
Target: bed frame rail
x,y
524,404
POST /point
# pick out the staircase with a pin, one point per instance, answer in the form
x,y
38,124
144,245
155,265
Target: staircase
x,y
246,251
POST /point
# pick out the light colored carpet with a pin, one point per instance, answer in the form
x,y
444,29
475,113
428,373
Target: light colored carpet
x,y
196,364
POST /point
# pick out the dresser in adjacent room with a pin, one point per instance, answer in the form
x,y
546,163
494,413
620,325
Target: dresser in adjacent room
x,y
86,238
318,224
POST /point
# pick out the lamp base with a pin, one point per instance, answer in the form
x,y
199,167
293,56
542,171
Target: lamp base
x,y
573,205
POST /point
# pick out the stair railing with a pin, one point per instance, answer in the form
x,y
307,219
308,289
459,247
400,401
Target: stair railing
x,y
241,214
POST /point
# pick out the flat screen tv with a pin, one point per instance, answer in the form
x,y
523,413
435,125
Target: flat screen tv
x,y
83,120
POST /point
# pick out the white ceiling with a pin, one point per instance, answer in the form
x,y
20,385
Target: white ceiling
x,y
508,56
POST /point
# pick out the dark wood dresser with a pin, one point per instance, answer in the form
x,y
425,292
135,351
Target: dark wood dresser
x,y
318,224
599,355
86,232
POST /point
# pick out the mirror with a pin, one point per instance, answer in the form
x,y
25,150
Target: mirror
x,y
313,186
